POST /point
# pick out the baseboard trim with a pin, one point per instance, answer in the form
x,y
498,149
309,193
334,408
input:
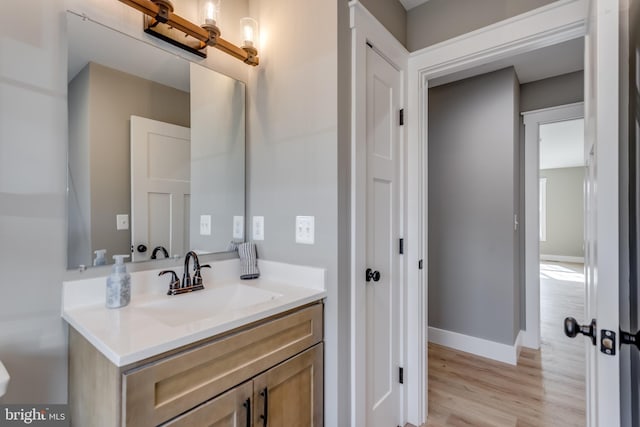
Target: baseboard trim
x,y
562,258
529,340
480,347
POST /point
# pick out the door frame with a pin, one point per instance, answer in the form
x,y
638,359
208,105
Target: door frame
x,y
557,22
532,121
365,29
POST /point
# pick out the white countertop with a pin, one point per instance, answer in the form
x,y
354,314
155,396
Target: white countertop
x,y
130,334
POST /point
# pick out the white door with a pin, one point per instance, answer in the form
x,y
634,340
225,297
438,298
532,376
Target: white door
x,y
601,209
160,187
383,287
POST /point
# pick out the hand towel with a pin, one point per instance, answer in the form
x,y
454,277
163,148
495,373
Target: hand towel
x,y
248,261
233,246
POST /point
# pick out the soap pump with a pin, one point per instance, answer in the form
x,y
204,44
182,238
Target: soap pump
x,y
99,259
118,284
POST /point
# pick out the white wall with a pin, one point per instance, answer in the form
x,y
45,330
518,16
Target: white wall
x,y
293,156
565,212
33,161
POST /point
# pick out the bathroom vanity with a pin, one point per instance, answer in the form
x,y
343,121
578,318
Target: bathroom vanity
x,y
255,359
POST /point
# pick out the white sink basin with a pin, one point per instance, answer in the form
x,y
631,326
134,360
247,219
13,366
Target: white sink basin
x,y
178,310
4,379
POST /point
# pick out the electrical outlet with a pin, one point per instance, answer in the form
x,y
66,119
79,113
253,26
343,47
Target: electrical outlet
x,y
205,225
258,228
122,222
305,230
238,227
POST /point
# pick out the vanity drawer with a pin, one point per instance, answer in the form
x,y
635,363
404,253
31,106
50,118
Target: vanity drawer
x,y
157,392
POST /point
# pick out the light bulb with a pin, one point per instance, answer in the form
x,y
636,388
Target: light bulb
x,y
210,12
249,31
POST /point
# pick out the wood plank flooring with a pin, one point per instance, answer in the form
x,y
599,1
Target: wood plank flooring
x,y
546,388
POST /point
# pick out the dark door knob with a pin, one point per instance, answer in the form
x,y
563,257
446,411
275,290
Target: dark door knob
x,y
142,248
572,328
372,275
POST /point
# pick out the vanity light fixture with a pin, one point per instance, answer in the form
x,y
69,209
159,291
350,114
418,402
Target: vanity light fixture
x,y
160,21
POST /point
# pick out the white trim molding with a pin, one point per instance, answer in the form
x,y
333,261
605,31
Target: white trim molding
x,y
480,347
532,122
555,23
562,258
366,30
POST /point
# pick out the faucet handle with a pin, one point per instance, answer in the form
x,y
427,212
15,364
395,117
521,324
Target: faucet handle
x,y
175,282
197,277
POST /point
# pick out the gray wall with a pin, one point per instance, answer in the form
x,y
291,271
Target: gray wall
x,y
439,20
293,160
113,96
559,90
565,212
391,14
472,243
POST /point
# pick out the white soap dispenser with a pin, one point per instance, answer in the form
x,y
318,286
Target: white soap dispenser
x,y
118,284
99,259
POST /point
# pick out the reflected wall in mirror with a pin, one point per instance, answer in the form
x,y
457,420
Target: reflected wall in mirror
x,y
134,184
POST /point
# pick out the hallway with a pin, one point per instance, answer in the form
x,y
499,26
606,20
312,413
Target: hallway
x,y
546,388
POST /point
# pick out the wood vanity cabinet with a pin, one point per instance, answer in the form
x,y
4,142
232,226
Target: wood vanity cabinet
x,y
271,369
288,395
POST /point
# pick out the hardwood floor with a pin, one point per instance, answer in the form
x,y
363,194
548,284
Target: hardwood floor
x,y
546,388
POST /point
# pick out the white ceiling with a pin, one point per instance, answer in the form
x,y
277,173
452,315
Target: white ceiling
x,y
539,64
562,144
87,40
410,4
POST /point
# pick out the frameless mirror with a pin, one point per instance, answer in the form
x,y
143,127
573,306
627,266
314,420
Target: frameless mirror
x,y
156,151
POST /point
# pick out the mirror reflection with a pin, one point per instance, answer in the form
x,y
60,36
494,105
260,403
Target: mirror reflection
x,y
156,151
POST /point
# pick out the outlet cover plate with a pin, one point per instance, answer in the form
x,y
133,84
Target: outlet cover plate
x,y
205,225
305,230
258,228
122,222
238,227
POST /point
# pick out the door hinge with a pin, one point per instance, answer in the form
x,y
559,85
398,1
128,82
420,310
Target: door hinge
x,y
401,246
420,265
401,375
402,117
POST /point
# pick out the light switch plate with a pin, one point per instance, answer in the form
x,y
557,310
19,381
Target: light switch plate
x,y
122,222
205,225
305,230
258,228
238,227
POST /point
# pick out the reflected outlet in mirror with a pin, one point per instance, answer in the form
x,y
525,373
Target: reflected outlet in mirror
x,y
156,150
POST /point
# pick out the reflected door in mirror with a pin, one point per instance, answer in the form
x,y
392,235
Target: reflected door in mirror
x,y
160,186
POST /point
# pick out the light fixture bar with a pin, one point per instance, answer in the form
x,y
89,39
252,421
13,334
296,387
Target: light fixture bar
x,y
162,16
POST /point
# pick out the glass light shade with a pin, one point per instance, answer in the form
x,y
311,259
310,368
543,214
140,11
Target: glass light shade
x,y
209,12
249,32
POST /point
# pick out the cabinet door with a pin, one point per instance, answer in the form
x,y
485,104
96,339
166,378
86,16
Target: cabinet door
x,y
291,394
231,409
